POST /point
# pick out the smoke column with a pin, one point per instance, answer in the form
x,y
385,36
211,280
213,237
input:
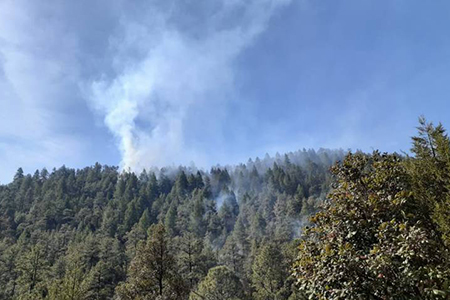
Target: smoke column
x,y
163,68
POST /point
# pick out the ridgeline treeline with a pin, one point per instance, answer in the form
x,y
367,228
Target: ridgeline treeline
x,y
87,234
305,225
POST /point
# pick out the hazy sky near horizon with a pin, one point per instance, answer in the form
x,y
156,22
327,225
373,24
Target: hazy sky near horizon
x,y
154,83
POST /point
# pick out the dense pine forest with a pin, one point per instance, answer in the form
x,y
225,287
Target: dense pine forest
x,y
303,225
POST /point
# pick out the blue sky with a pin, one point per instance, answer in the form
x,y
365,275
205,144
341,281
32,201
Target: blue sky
x,y
142,83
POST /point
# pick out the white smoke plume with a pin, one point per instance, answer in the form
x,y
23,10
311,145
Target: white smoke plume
x,y
165,72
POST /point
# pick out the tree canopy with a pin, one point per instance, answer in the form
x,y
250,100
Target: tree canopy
x,y
382,235
284,227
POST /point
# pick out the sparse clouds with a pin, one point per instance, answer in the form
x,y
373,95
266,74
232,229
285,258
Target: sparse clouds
x,y
38,79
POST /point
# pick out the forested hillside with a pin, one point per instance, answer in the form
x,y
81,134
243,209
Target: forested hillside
x,y
305,225
129,136
97,233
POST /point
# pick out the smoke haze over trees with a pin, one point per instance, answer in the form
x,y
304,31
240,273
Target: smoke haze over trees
x,y
283,227
85,230
126,129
